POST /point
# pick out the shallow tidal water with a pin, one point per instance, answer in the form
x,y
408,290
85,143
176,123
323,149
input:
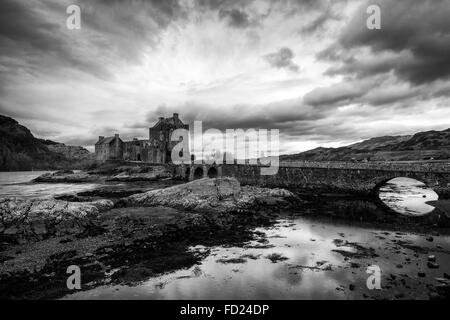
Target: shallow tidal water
x,y
408,196
311,269
294,259
18,184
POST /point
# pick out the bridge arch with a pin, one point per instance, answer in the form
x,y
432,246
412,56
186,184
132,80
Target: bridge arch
x,y
198,173
403,196
382,180
356,178
212,172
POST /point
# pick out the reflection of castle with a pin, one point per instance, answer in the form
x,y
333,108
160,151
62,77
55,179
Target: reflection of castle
x,y
155,150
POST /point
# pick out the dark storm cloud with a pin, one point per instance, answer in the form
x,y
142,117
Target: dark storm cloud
x,y
339,94
34,37
126,27
326,12
26,113
282,59
296,6
30,41
242,14
18,23
274,115
236,18
373,91
218,4
417,31
318,23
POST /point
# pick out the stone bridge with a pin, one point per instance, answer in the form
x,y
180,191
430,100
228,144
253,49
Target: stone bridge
x,y
333,177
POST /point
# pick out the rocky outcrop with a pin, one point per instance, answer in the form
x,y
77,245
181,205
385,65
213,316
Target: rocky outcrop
x,y
70,152
67,176
120,174
127,177
25,219
139,173
20,150
221,195
149,237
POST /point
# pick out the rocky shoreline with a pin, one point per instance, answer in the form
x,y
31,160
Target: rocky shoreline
x,y
102,173
135,234
102,236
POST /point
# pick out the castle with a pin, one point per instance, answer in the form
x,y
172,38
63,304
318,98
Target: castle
x,y
157,149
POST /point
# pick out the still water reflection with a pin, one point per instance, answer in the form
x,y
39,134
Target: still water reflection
x,y
310,269
408,196
18,184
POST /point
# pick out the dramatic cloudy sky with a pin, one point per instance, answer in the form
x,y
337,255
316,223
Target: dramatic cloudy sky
x,y
310,68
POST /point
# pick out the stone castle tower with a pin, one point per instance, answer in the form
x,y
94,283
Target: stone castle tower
x,y
160,146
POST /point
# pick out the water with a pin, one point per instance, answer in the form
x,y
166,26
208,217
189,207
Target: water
x,y
312,269
18,184
404,195
408,196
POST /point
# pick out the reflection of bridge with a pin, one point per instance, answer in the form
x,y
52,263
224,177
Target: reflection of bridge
x,y
351,177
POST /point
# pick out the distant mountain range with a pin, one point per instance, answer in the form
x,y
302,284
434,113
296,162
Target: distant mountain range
x,y
421,146
20,150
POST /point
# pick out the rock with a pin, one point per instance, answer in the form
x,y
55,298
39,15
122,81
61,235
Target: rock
x,y
443,280
219,195
443,292
432,265
102,205
125,177
421,274
130,174
351,287
36,219
71,198
63,172
430,238
116,191
434,296
66,176
275,257
432,258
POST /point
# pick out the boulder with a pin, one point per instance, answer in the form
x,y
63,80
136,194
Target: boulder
x,y
218,195
66,177
130,174
24,220
125,177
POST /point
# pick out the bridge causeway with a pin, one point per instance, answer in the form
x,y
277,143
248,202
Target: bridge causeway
x,y
332,176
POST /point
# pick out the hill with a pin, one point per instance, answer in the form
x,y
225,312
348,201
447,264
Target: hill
x,y
20,150
420,146
70,152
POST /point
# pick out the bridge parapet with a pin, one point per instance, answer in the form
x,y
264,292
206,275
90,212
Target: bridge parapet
x,y
384,166
332,176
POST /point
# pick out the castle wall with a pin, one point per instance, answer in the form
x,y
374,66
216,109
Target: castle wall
x,y
160,146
